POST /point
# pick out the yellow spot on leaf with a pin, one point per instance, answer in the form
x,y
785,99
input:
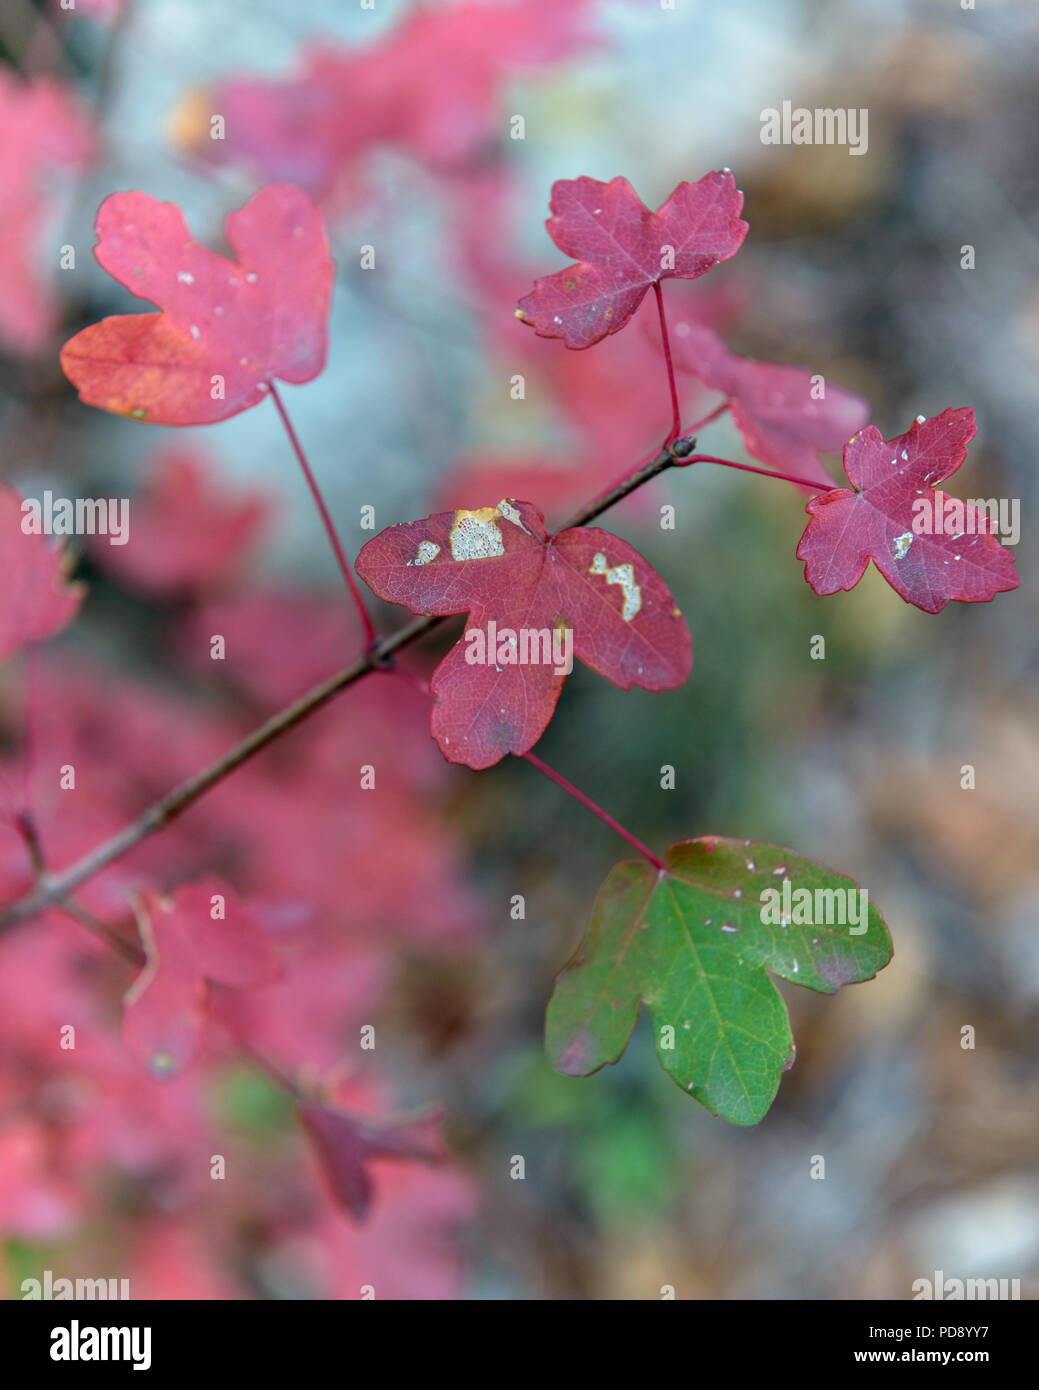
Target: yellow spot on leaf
x,y
476,535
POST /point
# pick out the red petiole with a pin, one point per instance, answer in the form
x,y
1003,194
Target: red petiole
x,y
330,530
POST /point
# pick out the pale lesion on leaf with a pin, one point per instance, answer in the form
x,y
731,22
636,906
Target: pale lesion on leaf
x,y
427,552
624,575
476,535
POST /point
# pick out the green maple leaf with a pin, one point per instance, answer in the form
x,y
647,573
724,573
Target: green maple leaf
x,y
696,945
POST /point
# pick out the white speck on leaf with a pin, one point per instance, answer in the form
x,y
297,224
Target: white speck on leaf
x,y
900,545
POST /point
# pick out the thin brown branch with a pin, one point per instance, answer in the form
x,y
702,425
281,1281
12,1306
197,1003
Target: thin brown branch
x,y
677,453
122,945
53,889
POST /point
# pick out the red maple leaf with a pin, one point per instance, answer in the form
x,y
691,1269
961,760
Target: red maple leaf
x,y
621,248
226,327
496,690
930,548
38,600
187,946
775,406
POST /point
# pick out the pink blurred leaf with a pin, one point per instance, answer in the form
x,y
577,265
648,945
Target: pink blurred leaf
x,y
431,85
198,934
188,532
776,408
346,1144
38,600
44,130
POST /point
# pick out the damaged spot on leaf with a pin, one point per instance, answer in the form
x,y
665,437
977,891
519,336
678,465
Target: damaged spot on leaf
x,y
624,575
511,513
476,535
427,551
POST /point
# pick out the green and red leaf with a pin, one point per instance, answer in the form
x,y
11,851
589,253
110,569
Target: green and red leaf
x,y
697,945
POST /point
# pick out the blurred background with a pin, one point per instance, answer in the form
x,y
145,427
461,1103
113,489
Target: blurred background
x,y
394,906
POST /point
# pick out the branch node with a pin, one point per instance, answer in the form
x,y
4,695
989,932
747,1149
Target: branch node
x,y
682,448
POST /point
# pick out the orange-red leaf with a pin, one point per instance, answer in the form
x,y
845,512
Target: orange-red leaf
x,y
225,327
